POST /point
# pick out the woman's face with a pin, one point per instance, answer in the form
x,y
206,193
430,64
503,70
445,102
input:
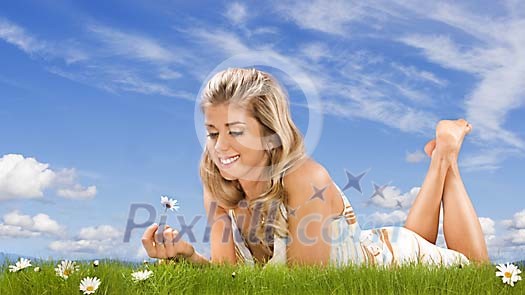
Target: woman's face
x,y
234,141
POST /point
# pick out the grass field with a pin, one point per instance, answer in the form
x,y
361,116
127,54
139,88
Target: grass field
x,y
214,279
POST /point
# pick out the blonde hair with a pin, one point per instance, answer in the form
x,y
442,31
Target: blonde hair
x,y
263,97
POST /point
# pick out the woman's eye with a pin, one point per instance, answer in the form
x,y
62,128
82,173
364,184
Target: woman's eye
x,y
236,133
233,133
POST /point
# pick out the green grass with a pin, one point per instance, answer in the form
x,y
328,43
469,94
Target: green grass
x,y
214,279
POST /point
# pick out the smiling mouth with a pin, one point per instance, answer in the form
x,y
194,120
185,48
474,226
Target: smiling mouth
x,y
229,161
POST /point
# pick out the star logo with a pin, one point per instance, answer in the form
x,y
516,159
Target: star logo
x,y
353,181
318,193
399,205
379,191
292,211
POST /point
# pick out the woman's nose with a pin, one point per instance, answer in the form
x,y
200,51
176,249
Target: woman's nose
x,y
222,143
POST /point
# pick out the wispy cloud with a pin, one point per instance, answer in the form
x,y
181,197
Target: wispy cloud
x,y
488,159
415,157
496,60
118,81
16,35
132,45
331,17
236,13
228,42
492,56
13,34
414,73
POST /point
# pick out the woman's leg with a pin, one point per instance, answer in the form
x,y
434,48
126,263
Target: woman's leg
x,y
423,217
461,225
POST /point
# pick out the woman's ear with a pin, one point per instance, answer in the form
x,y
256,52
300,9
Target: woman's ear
x,y
274,141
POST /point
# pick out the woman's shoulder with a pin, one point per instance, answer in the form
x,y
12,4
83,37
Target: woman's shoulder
x,y
306,172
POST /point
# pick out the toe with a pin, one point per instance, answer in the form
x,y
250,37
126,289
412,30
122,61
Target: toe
x,y
469,128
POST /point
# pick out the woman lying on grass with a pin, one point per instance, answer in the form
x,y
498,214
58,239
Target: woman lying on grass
x,y
268,202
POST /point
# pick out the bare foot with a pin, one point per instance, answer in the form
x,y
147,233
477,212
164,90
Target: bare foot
x,y
450,135
430,146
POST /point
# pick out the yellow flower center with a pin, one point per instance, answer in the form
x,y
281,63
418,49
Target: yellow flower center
x,y
67,272
90,288
508,274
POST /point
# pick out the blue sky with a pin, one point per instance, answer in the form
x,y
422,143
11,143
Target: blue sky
x,y
97,108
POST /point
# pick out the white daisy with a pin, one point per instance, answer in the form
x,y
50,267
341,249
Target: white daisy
x,y
36,269
66,268
89,285
509,273
95,263
171,204
19,265
141,275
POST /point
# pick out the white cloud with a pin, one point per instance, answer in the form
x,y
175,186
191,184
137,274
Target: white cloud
x,y
509,243
487,159
517,221
517,237
228,42
115,81
325,16
132,46
102,240
101,232
78,192
101,72
16,231
496,60
492,56
315,51
82,246
22,177
141,254
415,157
487,225
168,74
21,225
17,219
387,219
16,35
236,13
488,228
43,223
414,73
394,199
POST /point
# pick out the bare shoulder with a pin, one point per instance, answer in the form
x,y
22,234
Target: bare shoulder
x,y
304,176
306,170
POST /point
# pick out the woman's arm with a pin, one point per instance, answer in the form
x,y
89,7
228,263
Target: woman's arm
x,y
312,193
222,245
221,235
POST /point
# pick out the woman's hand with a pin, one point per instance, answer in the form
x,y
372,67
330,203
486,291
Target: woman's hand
x,y
169,248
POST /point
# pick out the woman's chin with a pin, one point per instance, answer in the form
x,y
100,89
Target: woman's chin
x,y
228,176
